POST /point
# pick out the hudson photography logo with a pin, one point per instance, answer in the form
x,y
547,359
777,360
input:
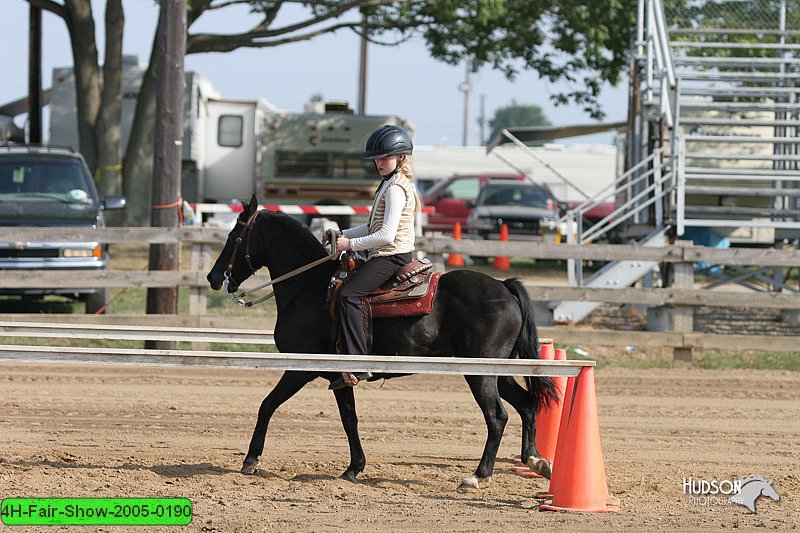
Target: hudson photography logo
x,y
744,491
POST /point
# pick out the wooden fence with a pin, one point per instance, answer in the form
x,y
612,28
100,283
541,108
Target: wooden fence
x,y
681,299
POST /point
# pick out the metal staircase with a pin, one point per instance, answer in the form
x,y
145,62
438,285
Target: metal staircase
x,y
713,144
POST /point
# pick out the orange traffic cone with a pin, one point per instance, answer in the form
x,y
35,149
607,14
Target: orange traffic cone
x,y
566,407
455,259
547,350
580,480
502,262
546,353
548,419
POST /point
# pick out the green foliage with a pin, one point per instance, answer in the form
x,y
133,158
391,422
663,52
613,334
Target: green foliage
x,y
516,115
747,15
759,361
582,43
731,14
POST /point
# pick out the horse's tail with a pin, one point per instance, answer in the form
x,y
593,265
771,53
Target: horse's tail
x,y
527,345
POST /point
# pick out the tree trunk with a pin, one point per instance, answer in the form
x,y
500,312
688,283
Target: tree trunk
x,y
109,131
137,164
80,23
167,153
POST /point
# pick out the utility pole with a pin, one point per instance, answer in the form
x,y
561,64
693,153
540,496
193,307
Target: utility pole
x,y
465,88
482,120
362,73
35,75
170,89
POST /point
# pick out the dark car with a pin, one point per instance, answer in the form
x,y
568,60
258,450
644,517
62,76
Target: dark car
x,y
451,198
51,187
528,210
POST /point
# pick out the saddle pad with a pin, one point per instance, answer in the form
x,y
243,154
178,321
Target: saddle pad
x,y
408,306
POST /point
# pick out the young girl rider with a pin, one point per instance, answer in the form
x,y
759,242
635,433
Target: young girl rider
x,y
387,238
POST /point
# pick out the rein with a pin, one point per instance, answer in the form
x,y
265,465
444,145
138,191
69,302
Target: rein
x,y
239,297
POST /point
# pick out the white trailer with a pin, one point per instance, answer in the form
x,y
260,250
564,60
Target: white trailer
x,y
221,138
233,148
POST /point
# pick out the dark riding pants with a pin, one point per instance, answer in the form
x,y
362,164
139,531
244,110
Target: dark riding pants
x,y
350,306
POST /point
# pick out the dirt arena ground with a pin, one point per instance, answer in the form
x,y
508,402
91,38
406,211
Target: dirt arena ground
x,y
103,431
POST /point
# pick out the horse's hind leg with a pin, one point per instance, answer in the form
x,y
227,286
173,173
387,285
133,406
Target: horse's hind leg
x,y
526,405
346,401
484,390
289,384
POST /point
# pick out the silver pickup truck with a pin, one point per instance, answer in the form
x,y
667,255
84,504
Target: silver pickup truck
x,y
46,186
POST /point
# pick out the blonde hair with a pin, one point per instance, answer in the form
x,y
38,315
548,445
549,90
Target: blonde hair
x,y
406,168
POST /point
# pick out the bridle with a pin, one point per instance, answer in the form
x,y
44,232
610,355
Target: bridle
x,y
244,233
244,236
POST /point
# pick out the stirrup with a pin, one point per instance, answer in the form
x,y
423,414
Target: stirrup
x,y
339,383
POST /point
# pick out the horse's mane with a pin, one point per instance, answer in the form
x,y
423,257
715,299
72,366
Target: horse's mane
x,y
296,235
749,479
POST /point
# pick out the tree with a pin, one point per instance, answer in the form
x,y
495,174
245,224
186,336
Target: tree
x,y
516,115
99,101
583,43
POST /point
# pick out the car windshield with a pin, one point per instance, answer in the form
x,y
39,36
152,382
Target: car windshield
x,y
43,180
524,196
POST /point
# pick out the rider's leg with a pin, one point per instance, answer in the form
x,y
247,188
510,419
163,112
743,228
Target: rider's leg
x,y
350,307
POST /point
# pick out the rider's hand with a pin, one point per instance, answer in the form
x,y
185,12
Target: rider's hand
x,y
343,244
329,235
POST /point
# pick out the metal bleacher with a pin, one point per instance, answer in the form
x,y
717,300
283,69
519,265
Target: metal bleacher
x,y
713,137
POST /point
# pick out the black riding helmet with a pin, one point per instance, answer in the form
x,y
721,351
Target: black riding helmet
x,y
386,141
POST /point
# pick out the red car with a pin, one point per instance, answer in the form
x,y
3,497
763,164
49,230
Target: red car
x,y
593,215
450,197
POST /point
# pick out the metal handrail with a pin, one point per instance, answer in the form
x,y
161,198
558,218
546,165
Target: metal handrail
x,y
628,209
610,221
609,190
663,41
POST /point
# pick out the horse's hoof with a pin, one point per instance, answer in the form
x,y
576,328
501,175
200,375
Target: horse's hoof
x,y
350,476
473,482
250,467
541,466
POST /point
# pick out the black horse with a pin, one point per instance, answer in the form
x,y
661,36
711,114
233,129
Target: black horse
x,y
473,315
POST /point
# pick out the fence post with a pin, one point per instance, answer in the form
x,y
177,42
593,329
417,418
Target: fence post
x,y
201,260
682,315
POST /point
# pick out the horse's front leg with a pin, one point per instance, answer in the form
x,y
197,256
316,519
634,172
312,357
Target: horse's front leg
x,y
289,384
484,390
346,401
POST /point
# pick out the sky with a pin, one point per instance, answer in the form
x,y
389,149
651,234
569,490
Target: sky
x,y
401,80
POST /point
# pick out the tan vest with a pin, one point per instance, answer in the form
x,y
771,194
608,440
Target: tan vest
x,y
404,239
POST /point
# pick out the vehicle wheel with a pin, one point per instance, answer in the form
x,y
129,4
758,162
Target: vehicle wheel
x,y
96,301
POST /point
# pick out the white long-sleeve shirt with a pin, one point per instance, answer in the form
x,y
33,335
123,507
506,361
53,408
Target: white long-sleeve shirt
x,y
361,239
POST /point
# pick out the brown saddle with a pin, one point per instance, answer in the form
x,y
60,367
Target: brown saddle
x,y
410,292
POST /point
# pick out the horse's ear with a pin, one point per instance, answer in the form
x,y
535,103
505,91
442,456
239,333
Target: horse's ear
x,y
251,207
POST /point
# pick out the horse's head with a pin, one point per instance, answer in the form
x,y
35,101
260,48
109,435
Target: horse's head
x,y
751,488
235,261
769,491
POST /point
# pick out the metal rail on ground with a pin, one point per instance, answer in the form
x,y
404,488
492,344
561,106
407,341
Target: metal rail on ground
x,y
396,364
278,361
135,333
